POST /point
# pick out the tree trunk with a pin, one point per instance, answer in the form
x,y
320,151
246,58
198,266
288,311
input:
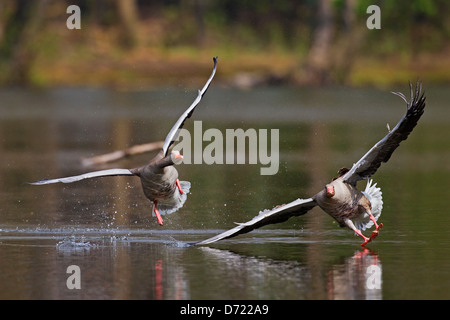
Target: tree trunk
x,y
317,65
349,43
127,11
20,33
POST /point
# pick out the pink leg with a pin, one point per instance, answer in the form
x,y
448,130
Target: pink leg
x,y
377,226
158,216
179,186
366,240
350,224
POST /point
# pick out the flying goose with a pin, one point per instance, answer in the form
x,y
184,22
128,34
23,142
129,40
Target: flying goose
x,y
340,198
159,178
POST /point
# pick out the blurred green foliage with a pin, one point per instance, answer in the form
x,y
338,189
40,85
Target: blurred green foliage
x,y
132,41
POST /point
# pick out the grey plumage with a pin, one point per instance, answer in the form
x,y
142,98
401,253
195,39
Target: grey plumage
x,y
173,133
382,150
276,215
94,174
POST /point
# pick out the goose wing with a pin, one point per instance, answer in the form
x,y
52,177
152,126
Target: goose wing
x,y
276,215
94,174
383,149
173,133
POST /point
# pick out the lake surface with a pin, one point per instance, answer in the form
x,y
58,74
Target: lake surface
x,y
106,229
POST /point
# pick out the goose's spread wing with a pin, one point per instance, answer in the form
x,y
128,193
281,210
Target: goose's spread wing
x,y
383,149
173,133
95,174
276,215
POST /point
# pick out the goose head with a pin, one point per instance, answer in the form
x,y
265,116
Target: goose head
x,y
176,157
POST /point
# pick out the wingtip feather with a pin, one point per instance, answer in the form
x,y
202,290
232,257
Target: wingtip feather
x,y
39,182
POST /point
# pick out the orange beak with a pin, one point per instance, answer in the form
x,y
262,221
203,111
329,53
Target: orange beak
x,y
330,191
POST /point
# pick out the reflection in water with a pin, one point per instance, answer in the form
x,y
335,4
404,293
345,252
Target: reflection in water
x,y
359,277
173,286
158,280
144,266
262,278
139,265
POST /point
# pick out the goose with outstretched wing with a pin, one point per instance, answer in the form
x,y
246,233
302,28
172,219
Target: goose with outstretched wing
x,y
159,178
340,198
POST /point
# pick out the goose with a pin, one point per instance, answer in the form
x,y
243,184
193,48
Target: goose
x,y
159,178
350,207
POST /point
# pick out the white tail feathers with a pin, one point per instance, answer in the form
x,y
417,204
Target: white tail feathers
x,y
373,193
172,204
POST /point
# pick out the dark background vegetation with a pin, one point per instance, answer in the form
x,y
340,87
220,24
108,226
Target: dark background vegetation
x,y
139,44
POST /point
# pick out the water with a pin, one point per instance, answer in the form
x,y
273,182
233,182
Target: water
x,y
105,227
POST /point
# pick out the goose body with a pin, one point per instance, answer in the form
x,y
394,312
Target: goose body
x,y
347,202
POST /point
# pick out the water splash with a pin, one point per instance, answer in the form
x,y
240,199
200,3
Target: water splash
x,y
73,244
